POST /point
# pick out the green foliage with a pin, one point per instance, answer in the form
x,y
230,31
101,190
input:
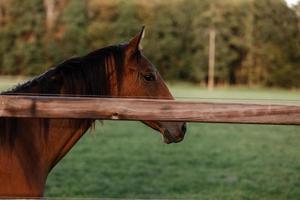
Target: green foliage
x,y
257,42
277,40
21,47
74,18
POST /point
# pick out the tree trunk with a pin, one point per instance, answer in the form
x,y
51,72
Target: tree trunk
x,y
3,7
53,9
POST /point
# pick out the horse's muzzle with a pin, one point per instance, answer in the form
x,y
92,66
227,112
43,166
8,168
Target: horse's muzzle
x,y
174,138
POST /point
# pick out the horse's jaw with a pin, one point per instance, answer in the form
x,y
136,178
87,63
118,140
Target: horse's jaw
x,y
172,132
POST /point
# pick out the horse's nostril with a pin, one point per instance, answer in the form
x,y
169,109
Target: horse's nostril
x,y
183,128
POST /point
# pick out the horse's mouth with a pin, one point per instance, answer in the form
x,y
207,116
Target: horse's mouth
x,y
167,141
169,138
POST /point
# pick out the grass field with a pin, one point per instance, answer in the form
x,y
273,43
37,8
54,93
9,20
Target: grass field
x,y
123,159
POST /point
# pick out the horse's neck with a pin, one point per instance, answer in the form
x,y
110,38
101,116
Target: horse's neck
x,y
59,135
38,146
63,135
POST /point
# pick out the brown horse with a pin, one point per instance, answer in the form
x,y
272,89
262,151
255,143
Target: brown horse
x,y
30,148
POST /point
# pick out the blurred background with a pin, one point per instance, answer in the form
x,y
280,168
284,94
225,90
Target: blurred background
x,y
239,49
248,42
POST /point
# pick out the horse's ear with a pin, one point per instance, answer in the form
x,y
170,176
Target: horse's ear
x,y
135,43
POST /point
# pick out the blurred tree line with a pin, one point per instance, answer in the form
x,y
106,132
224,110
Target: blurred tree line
x,y
257,41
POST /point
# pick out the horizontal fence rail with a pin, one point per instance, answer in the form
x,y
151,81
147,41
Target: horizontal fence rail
x,y
147,109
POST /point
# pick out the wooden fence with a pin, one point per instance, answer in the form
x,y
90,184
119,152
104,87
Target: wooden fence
x,y
147,109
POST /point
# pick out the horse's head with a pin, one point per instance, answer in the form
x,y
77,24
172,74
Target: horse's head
x,y
141,79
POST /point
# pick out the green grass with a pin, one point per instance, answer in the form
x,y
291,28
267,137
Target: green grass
x,y
10,81
215,161
189,91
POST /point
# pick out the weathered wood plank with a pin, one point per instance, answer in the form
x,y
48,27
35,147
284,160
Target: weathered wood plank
x,y
146,109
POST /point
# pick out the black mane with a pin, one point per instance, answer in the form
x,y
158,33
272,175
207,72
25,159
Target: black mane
x,y
86,75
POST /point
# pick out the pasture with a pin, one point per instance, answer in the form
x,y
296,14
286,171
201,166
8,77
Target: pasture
x,y
123,159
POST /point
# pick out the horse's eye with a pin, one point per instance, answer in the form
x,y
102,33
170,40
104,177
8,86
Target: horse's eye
x,y
149,77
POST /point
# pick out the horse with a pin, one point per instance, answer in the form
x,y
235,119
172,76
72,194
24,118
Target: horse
x,y
31,147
